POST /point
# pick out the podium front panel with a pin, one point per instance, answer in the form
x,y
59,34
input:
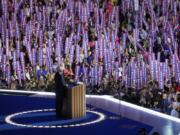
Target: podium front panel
x,y
75,103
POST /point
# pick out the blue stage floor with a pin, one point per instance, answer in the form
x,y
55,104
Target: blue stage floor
x,y
40,121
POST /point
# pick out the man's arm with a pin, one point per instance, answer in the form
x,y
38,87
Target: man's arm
x,y
63,81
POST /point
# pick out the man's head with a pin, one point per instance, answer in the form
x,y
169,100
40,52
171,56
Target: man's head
x,y
60,69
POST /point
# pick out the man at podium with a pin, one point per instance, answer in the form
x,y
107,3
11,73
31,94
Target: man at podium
x,y
60,89
70,98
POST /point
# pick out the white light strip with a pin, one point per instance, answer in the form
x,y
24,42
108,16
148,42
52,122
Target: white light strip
x,y
149,111
18,91
9,118
110,98
29,92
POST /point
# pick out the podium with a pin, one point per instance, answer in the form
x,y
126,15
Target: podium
x,y
74,105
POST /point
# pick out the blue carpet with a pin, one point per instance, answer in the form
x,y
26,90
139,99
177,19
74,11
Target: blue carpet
x,y
10,104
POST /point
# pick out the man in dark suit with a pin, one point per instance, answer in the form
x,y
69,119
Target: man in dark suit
x,y
60,89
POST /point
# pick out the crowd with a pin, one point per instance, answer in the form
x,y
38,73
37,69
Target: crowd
x,y
127,48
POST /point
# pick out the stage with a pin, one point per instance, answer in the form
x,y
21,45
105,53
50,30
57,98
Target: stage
x,y
29,113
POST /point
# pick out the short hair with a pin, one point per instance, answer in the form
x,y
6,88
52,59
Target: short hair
x,y
155,133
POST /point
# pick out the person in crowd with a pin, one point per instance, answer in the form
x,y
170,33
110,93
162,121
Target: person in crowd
x,y
41,83
142,131
155,133
164,102
176,107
